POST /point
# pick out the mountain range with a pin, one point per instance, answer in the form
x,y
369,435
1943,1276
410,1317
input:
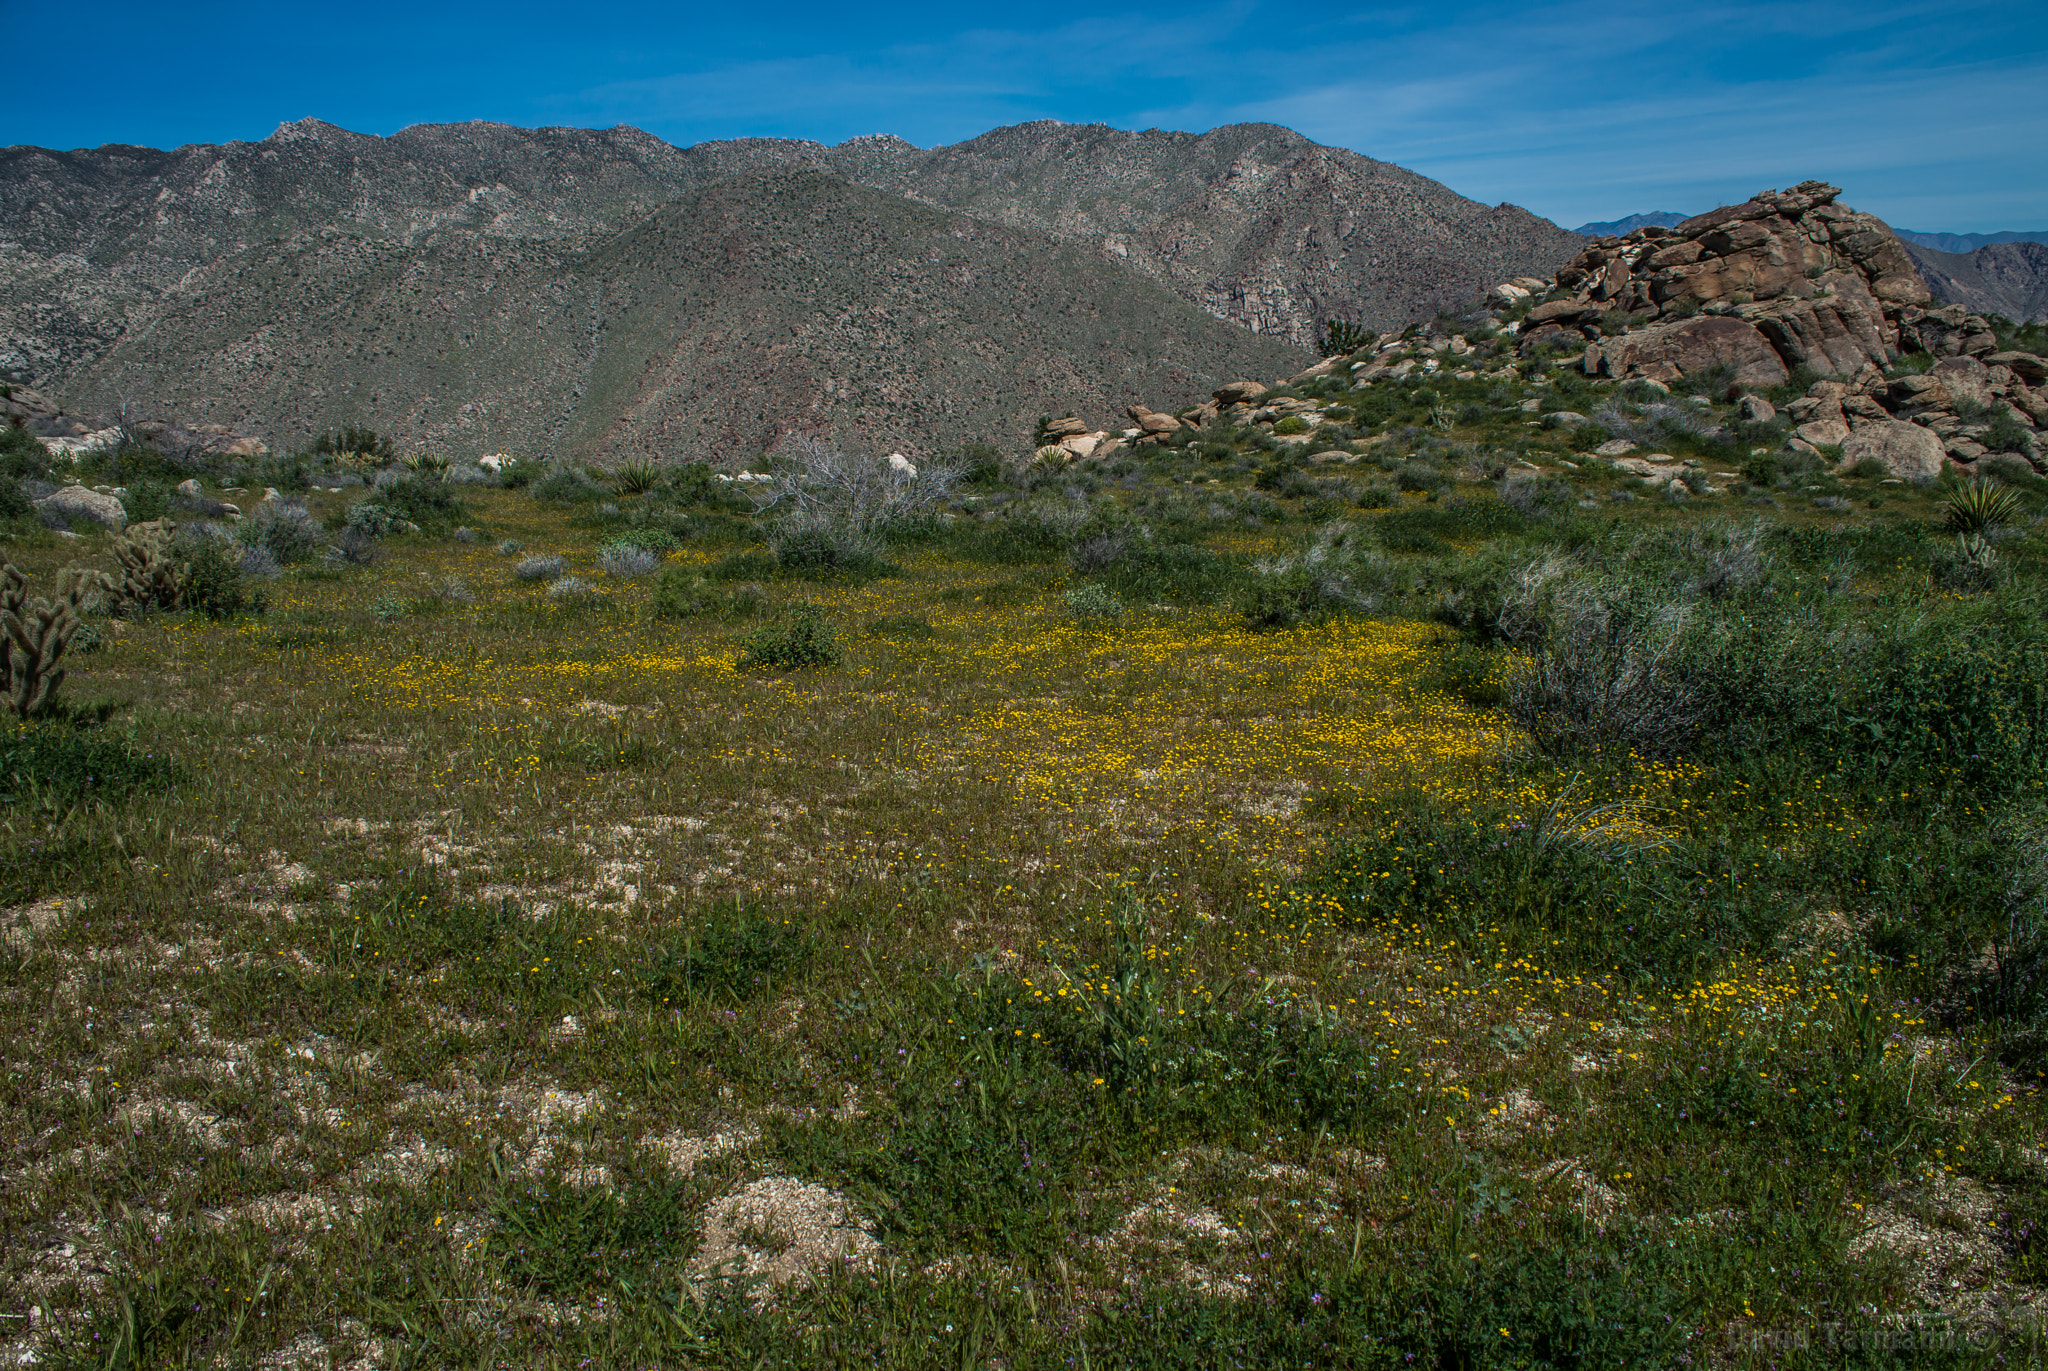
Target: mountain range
x,y
478,286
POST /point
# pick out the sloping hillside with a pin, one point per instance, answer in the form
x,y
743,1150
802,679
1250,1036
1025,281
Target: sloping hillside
x,y
766,303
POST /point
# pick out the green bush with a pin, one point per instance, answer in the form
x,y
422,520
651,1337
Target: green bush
x,y
14,501
1172,573
285,531
21,456
421,500
1286,599
799,637
146,501
210,579
1092,601
567,485
825,554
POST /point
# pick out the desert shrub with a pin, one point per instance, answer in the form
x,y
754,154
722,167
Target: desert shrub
x,y
626,560
1035,532
801,636
15,503
1377,495
807,549
567,485
260,562
1419,477
861,497
519,473
682,594
1291,426
574,591
1969,564
1092,601
210,577
282,531
372,517
1606,673
21,456
145,501
541,567
57,765
421,500
1538,497
980,464
510,547
354,545
1331,573
1173,573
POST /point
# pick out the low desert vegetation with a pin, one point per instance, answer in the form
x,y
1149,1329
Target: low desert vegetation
x,y
1414,896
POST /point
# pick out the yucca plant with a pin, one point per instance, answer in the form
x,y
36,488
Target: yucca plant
x,y
1977,505
429,464
636,476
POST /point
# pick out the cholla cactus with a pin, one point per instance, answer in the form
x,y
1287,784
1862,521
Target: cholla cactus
x,y
37,633
149,573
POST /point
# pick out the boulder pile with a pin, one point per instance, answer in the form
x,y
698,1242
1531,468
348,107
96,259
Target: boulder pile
x,y
1783,282
68,435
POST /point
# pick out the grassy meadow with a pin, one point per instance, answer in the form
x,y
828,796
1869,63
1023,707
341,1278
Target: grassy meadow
x,y
1444,903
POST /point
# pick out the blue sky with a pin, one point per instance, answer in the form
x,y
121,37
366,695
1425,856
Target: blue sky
x,y
1929,114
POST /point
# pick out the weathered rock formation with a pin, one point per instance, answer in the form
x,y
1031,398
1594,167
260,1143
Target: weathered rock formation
x,y
1786,279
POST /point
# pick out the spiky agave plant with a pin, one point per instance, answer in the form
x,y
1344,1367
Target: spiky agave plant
x,y
1975,505
636,476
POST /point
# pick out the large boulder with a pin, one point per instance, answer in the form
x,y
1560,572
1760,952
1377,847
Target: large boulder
x,y
76,502
1238,392
1666,352
1908,451
1839,331
1964,378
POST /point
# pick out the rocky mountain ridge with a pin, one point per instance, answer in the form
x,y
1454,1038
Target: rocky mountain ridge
x,y
2009,279
1252,223
762,305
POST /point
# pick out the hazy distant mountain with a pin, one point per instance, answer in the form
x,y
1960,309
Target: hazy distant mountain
x,y
1659,218
1969,242
112,258
763,304
1999,278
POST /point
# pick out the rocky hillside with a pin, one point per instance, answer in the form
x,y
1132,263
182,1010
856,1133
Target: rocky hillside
x,y
2000,278
763,304
1251,223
